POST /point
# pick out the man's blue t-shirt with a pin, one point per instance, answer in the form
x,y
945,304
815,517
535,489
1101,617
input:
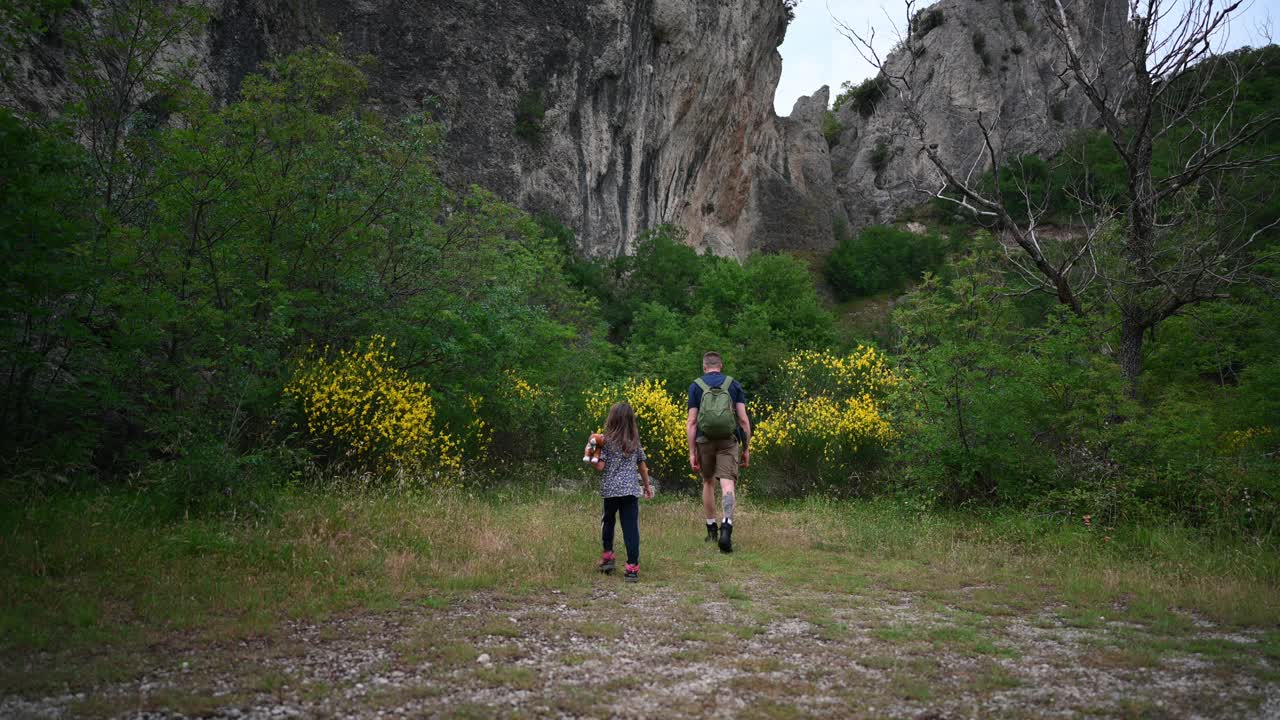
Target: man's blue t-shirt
x,y
714,380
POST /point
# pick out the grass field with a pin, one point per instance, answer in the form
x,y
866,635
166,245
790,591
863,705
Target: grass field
x,y
451,604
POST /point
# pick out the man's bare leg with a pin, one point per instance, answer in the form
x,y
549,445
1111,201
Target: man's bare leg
x,y
709,507
727,498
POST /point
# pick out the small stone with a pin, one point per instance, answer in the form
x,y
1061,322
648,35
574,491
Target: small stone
x,y
483,659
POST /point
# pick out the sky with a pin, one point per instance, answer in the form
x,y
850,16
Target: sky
x,y
814,54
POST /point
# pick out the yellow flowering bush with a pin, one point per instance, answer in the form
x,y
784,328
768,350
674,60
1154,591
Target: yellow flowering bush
x,y
661,418
521,389
827,417
1237,441
821,372
479,435
366,411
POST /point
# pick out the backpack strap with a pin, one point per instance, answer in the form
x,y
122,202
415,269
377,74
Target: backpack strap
x,y
728,383
702,384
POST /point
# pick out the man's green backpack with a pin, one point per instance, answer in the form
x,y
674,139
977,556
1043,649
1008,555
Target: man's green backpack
x,y
716,418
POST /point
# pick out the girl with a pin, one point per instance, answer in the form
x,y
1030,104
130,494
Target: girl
x,y
623,463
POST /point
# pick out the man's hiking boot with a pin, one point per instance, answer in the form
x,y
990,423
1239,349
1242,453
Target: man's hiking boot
x,y
631,573
712,533
606,563
726,538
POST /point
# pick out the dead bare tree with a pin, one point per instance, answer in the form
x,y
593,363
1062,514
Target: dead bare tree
x,y
1173,237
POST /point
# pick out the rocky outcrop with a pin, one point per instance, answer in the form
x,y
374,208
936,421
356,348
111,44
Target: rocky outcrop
x,y
994,60
642,112
618,115
613,115
635,113
794,204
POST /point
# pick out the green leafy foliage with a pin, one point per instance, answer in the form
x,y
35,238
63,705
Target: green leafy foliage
x,y
667,305
881,258
47,284
1198,441
864,96
285,220
529,114
831,128
879,156
991,400
926,20
167,260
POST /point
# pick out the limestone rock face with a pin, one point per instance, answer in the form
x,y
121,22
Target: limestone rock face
x,y
794,203
634,113
997,61
655,110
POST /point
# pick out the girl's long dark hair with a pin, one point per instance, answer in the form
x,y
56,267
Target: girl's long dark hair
x,y
620,430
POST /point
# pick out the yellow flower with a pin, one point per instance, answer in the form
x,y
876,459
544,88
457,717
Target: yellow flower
x,y
1238,440
660,415
368,412
830,407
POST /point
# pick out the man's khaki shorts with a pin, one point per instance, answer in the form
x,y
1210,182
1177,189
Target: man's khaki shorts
x,y
718,458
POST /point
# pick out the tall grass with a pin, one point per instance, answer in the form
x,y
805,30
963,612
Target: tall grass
x,y
91,569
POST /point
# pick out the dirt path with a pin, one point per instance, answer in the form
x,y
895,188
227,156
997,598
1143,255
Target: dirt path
x,y
751,649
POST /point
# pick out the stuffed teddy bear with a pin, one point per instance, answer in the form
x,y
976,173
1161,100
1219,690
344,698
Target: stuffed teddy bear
x,y
591,454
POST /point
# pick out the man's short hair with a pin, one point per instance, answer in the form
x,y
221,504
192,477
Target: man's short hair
x,y
712,360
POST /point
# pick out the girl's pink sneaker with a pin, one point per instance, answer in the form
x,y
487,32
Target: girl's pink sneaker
x,y
606,563
631,573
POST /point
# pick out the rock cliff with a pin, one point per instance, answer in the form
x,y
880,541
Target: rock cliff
x,y
997,59
634,112
619,115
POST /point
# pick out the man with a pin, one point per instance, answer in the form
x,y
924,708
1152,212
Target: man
x,y
716,458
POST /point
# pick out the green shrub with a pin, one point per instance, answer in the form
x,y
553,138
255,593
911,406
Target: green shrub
x,y
864,96
926,20
879,157
880,258
990,400
318,223
980,48
529,114
831,128
676,309
48,410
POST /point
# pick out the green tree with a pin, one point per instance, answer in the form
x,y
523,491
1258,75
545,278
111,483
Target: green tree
x,y
1188,144
988,402
880,258
50,264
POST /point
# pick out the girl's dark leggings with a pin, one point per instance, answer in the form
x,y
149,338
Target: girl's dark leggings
x,y
628,507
